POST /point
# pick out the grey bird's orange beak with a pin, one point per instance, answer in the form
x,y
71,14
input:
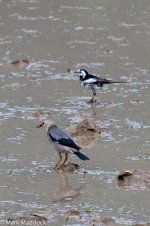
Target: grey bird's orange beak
x,y
40,125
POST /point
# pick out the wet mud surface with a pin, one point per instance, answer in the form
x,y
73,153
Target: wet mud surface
x,y
41,43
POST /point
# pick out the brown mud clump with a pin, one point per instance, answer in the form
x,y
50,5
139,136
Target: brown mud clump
x,y
84,133
109,221
39,116
20,63
135,179
70,167
71,213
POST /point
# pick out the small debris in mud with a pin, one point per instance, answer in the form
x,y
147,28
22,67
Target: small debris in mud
x,y
71,213
68,168
84,133
29,218
87,210
20,63
107,51
134,179
68,70
103,221
84,174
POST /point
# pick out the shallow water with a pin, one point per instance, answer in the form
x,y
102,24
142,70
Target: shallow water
x,y
111,39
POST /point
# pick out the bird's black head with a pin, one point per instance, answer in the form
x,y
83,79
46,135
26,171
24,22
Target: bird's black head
x,y
82,72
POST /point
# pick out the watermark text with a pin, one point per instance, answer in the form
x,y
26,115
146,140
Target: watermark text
x,y
23,222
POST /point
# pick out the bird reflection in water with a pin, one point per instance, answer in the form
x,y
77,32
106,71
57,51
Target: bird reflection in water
x,y
66,192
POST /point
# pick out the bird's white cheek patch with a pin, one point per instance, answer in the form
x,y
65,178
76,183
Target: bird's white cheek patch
x,y
83,74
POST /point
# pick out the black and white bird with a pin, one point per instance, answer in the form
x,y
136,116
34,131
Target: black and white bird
x,y
62,142
93,82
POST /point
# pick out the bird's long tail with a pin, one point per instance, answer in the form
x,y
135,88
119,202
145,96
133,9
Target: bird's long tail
x,y
110,82
107,81
81,155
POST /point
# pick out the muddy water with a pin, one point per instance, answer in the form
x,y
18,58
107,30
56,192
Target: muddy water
x,y
109,38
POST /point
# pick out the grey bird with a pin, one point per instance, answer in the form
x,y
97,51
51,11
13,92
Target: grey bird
x,y
62,142
93,82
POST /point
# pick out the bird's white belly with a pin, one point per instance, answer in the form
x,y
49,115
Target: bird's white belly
x,y
90,85
60,148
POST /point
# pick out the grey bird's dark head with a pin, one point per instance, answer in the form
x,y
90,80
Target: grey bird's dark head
x,y
82,72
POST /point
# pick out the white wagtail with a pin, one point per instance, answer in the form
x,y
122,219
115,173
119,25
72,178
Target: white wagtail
x,y
62,142
93,82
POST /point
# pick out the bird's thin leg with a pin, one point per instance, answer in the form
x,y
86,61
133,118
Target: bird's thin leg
x,y
94,94
60,158
66,157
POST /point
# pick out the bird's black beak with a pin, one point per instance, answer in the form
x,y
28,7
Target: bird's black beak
x,y
75,72
40,125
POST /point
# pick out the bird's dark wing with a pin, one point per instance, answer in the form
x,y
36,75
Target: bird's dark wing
x,y
60,137
102,81
94,80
